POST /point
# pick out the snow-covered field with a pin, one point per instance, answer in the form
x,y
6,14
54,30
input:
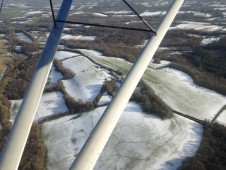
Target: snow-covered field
x,y
99,14
53,78
110,62
209,40
196,13
163,63
175,87
78,37
118,12
60,55
180,93
88,79
23,37
148,14
200,26
34,12
139,141
51,104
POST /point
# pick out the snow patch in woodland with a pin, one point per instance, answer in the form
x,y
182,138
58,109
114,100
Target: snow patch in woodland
x,y
78,37
200,26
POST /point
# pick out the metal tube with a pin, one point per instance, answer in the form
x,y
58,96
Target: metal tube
x,y
13,150
96,142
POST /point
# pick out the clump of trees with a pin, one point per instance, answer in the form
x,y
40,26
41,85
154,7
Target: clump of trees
x,y
35,152
118,50
150,102
67,73
110,86
17,77
13,86
211,153
4,120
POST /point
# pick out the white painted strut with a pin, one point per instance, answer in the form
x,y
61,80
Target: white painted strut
x,y
96,142
13,150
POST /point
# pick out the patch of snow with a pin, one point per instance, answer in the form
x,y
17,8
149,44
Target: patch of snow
x,y
178,91
117,64
146,14
222,118
78,37
118,12
67,29
176,88
16,18
163,48
220,8
100,15
144,4
88,79
196,13
34,12
64,54
127,23
51,104
104,99
163,63
21,22
143,45
118,15
18,48
53,78
61,47
23,37
77,13
201,26
209,40
139,140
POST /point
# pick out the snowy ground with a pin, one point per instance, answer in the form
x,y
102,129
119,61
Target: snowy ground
x,y
200,26
142,45
51,104
78,37
117,64
222,118
209,40
60,55
99,14
53,78
139,141
23,37
88,79
148,14
196,13
181,94
163,63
